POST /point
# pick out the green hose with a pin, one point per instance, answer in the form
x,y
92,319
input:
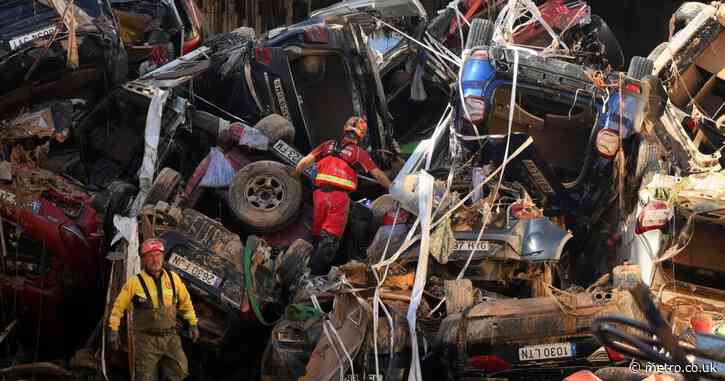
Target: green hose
x,y
248,280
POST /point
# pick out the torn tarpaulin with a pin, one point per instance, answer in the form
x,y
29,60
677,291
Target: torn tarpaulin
x,y
151,138
219,173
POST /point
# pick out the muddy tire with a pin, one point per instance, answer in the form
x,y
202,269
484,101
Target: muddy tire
x,y
264,196
648,160
164,186
480,33
639,67
276,127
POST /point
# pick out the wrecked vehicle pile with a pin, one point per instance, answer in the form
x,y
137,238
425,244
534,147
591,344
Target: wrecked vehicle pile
x,y
554,211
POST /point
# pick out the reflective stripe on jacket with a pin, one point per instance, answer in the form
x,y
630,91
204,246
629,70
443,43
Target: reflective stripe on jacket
x,y
133,291
336,172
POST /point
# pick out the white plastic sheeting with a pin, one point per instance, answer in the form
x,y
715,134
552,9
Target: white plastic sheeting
x,y
220,173
151,139
425,207
513,12
128,226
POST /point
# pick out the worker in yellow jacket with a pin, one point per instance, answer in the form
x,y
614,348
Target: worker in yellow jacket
x,y
156,295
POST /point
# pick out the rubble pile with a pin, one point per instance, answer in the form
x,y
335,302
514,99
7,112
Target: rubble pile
x,y
553,210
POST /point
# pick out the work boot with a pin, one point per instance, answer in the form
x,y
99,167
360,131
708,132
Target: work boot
x,y
323,254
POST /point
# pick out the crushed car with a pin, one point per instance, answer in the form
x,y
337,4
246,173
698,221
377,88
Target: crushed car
x,y
53,247
56,49
677,220
157,32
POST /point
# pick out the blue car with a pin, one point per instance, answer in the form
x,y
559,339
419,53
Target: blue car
x,y
580,120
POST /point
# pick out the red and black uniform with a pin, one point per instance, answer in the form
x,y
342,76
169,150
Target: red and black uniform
x,y
337,166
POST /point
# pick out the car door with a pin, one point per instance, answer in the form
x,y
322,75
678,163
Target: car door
x,y
269,78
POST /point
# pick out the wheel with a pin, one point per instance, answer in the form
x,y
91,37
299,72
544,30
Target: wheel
x,y
640,67
276,127
480,33
656,52
646,163
264,196
163,187
648,160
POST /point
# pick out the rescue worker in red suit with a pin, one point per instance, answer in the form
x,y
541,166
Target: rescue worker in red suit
x,y
337,165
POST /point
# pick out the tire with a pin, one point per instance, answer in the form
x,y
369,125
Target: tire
x,y
656,52
480,33
648,160
164,186
276,127
640,67
264,196
646,164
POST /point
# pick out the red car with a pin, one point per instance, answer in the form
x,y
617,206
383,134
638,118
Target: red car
x,y
51,270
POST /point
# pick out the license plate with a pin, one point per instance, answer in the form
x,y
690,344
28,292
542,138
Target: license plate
x,y
21,40
471,245
545,351
194,270
289,154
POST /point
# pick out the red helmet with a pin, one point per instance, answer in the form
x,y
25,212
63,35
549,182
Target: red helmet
x,y
357,125
151,245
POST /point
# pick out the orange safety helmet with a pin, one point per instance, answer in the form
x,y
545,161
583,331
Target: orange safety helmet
x,y
151,245
357,125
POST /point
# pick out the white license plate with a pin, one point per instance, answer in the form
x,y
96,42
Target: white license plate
x,y
289,154
471,245
545,351
194,270
20,40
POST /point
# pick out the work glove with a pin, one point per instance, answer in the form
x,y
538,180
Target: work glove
x,y
114,340
194,333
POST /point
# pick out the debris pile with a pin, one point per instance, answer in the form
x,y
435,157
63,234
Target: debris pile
x,y
529,204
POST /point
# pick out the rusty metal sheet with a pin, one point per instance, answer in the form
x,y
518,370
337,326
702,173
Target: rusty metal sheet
x,y
350,320
522,320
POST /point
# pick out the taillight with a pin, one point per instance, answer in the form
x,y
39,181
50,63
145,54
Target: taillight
x,y
582,375
263,55
632,88
475,109
489,363
316,34
402,218
702,323
608,142
690,124
523,211
614,356
653,216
